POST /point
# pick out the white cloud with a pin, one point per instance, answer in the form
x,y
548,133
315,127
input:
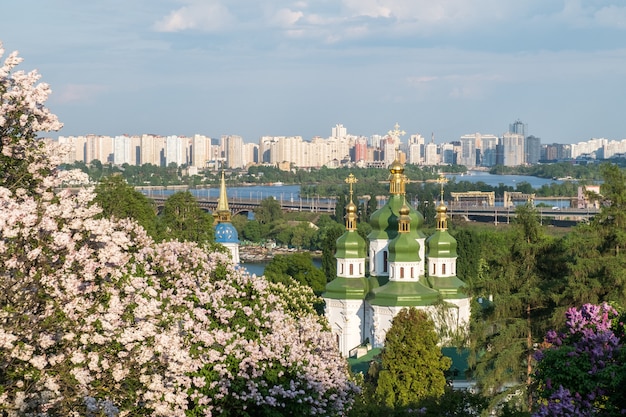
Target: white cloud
x,y
197,15
286,17
611,16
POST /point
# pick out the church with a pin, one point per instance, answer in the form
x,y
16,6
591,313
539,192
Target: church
x,y
405,269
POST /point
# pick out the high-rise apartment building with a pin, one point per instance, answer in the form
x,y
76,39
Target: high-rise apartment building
x,y
123,151
533,149
200,151
469,145
488,150
250,154
175,150
339,131
416,149
519,128
513,149
232,149
99,148
431,157
360,149
152,150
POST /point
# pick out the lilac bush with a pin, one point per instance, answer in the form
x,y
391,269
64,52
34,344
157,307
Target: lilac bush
x,y
97,319
581,371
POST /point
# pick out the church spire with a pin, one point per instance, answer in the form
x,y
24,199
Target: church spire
x,y
442,217
222,211
351,208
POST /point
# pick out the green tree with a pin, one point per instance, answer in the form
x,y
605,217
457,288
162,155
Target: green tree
x,y
329,247
518,276
298,266
182,219
120,200
268,211
596,259
411,366
252,231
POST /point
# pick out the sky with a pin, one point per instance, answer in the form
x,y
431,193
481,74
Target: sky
x,y
440,68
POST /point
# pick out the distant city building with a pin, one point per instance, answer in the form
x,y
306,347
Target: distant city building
x,y
513,150
175,150
470,145
431,156
488,150
123,151
416,150
533,149
339,149
519,128
232,150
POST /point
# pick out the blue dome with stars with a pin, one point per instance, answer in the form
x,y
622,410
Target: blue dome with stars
x,y
226,233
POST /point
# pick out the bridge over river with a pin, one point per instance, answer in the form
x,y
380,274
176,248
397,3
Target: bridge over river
x,y
493,214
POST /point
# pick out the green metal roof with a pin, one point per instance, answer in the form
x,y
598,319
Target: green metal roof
x,y
404,248
350,245
441,245
403,294
342,288
448,287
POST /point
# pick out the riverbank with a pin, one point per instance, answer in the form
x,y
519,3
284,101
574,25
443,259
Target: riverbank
x,y
263,254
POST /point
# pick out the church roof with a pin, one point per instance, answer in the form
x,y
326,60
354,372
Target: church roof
x,y
226,233
449,287
384,221
342,288
350,245
403,294
441,245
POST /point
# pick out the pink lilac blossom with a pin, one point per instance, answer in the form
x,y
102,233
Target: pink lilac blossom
x,y
98,319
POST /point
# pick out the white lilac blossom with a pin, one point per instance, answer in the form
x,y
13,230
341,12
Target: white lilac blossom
x,y
98,319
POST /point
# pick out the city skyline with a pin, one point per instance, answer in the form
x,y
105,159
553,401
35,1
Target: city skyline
x,y
280,68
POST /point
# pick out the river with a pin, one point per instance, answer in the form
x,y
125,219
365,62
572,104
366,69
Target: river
x,y
495,180
292,192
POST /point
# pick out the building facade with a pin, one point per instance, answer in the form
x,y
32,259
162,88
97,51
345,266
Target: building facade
x,y
406,269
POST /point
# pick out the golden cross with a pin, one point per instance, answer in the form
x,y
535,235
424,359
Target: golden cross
x,y
396,132
442,180
351,180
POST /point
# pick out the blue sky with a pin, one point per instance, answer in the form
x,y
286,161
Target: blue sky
x,y
281,68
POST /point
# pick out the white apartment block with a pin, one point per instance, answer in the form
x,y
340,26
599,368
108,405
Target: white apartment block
x,y
613,148
98,148
152,150
250,153
431,157
175,150
232,151
415,148
339,131
200,151
123,150
467,154
513,149
588,148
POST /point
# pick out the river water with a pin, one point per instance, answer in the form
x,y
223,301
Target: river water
x,y
292,192
495,180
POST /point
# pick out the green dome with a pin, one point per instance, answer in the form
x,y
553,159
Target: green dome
x,y
350,245
384,221
441,245
417,222
404,248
